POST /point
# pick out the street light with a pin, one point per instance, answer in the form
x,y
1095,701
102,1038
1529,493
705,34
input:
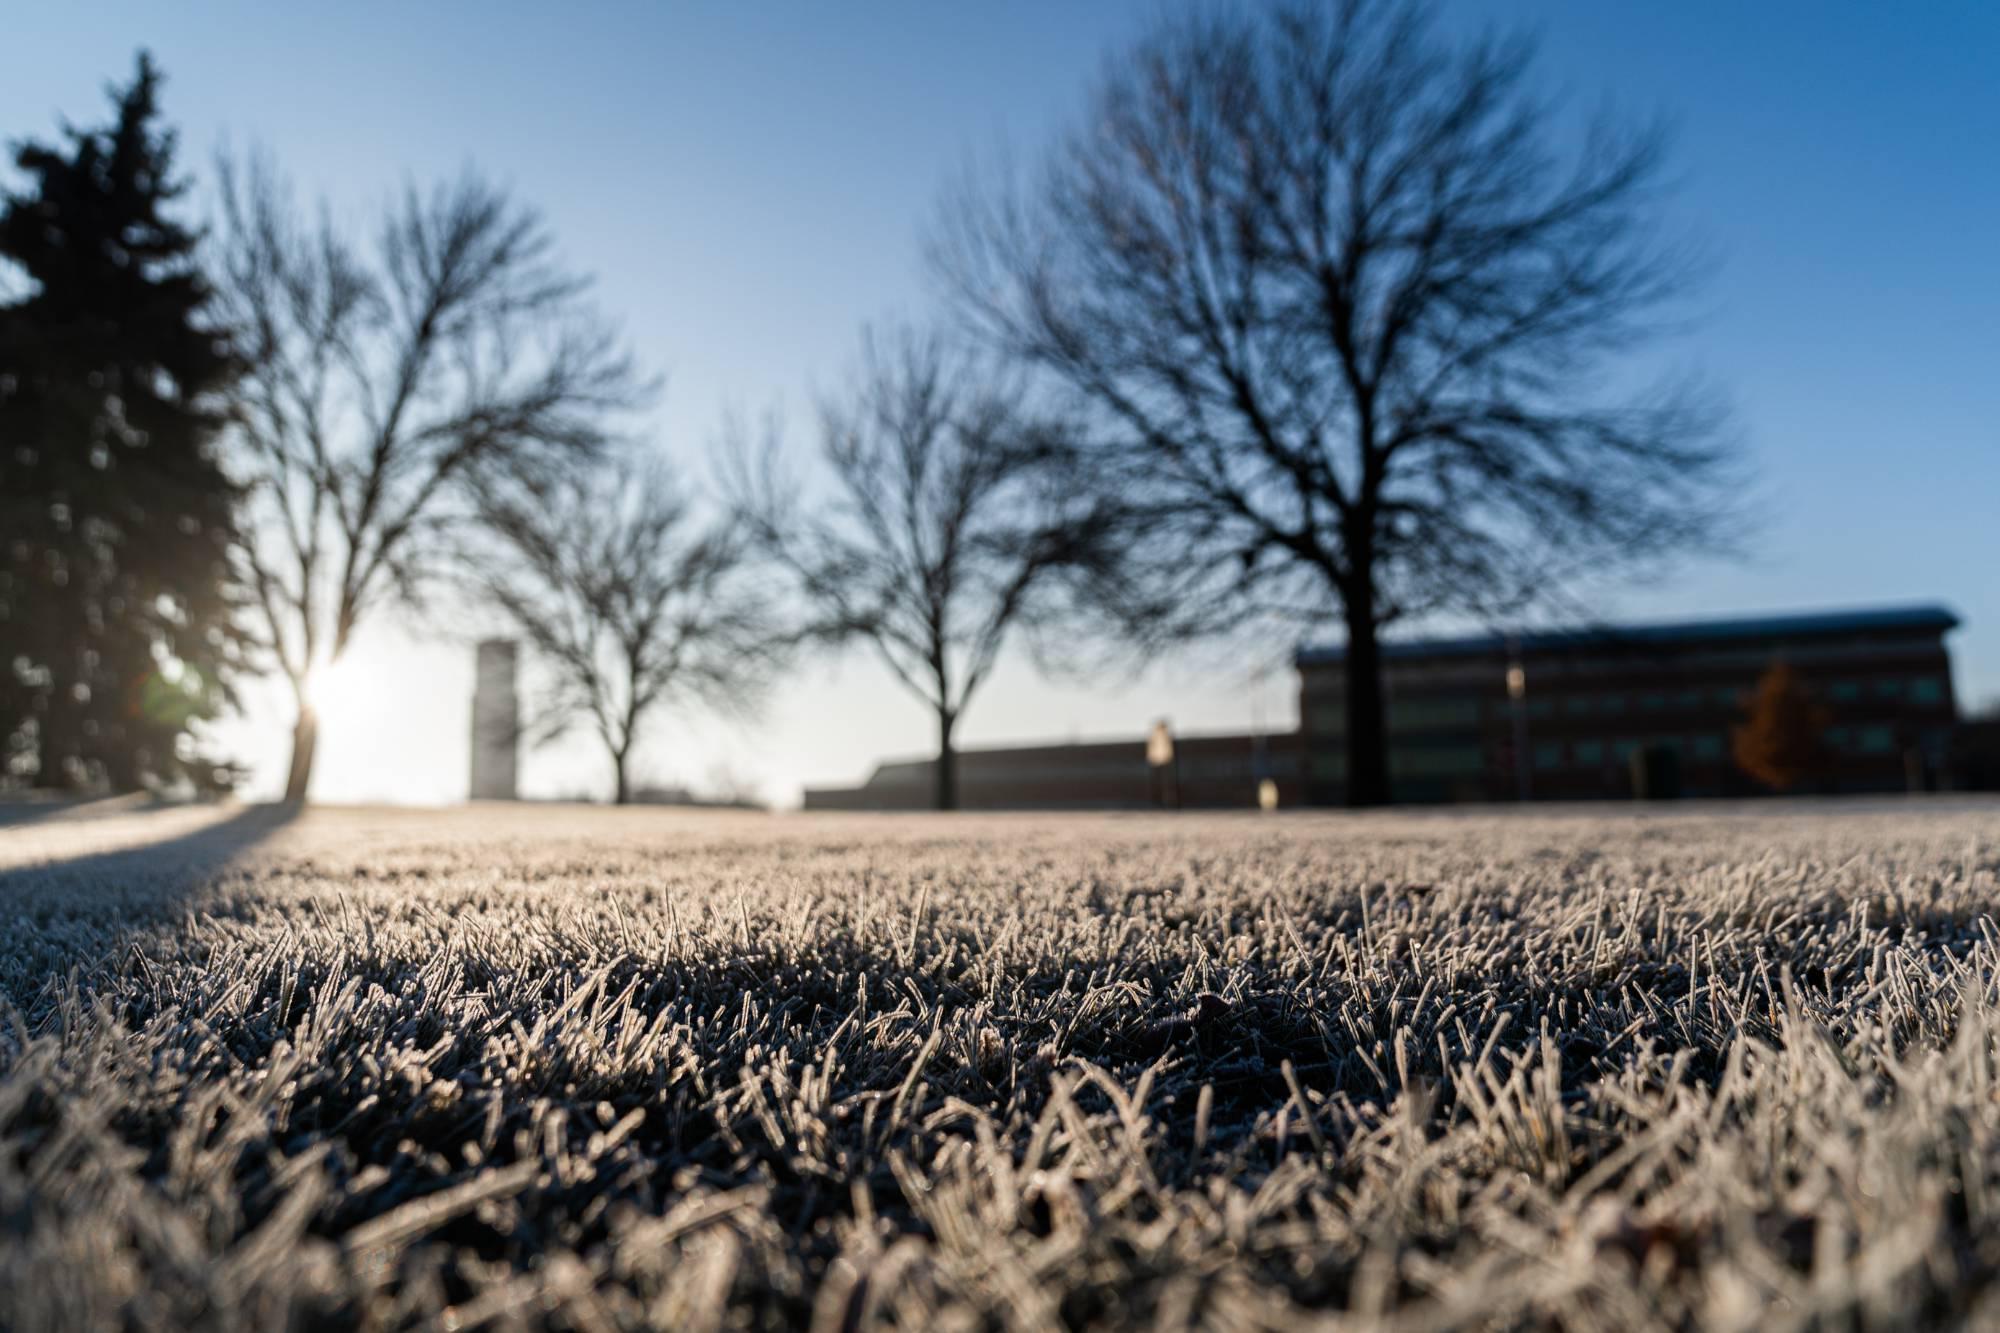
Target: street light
x,y
1161,764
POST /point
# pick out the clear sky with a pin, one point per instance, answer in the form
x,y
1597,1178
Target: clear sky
x,y
750,182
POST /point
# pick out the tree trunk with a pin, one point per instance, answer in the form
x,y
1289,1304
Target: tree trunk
x,y
125,765
947,762
1367,729
305,741
622,792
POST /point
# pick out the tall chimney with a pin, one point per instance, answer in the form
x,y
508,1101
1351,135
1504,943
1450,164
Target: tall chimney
x,y
496,723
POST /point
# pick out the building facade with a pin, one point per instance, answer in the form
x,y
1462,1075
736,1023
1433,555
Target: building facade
x,y
1975,758
1600,712
1206,772
496,722
1591,701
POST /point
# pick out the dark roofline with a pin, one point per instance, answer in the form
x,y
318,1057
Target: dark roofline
x,y
1102,744
1926,616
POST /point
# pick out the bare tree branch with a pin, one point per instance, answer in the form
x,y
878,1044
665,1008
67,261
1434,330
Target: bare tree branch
x,y
1344,322
387,383
627,604
954,523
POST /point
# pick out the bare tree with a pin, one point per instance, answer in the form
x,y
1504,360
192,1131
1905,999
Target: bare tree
x,y
954,522
1347,318
628,603
383,381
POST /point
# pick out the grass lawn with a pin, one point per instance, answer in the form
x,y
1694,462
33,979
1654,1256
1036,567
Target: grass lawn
x,y
1717,1067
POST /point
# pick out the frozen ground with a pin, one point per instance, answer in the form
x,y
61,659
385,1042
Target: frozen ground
x,y
1726,1068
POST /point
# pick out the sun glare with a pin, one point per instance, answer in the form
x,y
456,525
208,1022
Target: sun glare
x,y
342,691
393,721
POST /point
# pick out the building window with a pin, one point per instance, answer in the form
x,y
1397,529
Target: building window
x,y
1577,705
1623,750
1876,740
1888,689
1541,708
1432,714
1590,752
1216,768
1548,754
1844,691
1327,721
1611,703
1707,747
1691,700
1927,690
1329,767
1837,737
1730,698
1652,703
1436,761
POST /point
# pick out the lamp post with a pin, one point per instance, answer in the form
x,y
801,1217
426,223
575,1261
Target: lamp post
x,y
1517,693
1165,769
1260,747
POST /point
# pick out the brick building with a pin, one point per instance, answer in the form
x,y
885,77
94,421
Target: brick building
x,y
1593,698
1208,772
1591,701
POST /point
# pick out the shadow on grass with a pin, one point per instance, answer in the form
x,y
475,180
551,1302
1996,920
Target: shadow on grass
x,y
14,813
169,867
34,807
63,913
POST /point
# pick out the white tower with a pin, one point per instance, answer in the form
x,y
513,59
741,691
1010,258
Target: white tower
x,y
496,723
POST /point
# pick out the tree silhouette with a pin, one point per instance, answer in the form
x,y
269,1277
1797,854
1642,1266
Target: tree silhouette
x,y
1342,309
628,603
384,383
1783,742
115,514
956,522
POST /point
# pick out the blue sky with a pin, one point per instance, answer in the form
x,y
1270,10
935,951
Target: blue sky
x,y
750,182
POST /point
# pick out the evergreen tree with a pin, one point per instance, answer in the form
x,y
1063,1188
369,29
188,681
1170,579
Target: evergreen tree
x,y
115,510
1783,743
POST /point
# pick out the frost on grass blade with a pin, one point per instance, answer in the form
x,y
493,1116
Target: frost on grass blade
x,y
517,1066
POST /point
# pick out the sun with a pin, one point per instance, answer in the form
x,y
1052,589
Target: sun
x,y
391,721
346,690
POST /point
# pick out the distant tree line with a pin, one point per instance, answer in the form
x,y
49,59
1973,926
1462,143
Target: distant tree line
x,y
1314,316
